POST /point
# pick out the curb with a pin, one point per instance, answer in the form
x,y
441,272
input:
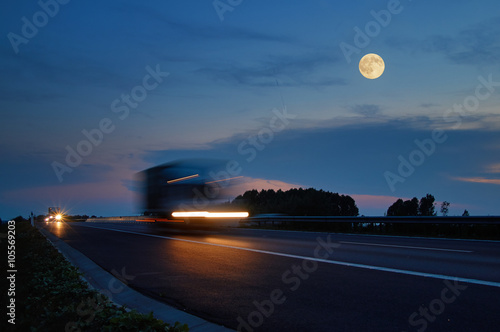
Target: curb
x,y
101,280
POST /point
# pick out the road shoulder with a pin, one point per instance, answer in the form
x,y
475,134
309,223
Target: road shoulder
x,y
123,295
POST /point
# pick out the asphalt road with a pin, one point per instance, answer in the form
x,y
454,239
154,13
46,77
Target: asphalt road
x,y
262,280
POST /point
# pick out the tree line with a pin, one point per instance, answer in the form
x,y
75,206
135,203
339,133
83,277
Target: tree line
x,y
414,207
313,202
297,202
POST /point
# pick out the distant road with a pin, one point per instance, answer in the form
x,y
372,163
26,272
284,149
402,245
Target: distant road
x,y
262,280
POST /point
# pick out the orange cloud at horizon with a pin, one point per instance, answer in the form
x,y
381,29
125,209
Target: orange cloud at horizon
x,y
248,183
478,180
495,168
375,201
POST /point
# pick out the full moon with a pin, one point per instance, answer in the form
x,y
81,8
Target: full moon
x,y
371,66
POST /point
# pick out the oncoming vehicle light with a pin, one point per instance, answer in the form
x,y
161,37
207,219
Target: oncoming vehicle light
x,y
58,217
206,214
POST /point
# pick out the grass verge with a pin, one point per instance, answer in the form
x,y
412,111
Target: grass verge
x,y
51,296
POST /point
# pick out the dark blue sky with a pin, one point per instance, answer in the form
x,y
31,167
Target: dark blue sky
x,y
147,83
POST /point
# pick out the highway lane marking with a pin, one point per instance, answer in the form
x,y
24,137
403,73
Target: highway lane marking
x,y
407,247
320,260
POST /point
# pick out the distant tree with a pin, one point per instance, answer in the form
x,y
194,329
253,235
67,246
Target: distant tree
x,y
426,207
19,219
465,214
445,208
396,208
413,207
404,208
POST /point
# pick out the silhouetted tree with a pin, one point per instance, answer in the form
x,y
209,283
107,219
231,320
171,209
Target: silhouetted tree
x,y
445,208
404,208
426,207
396,208
465,214
413,207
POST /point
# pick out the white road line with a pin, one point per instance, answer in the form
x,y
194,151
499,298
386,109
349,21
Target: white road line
x,y
407,247
362,266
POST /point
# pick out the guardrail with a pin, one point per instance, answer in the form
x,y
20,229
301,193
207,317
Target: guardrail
x,y
482,227
116,219
477,220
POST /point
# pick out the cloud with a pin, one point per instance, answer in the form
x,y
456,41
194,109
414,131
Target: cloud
x,y
37,77
249,183
494,168
230,33
429,105
192,30
478,180
368,110
288,71
374,201
475,45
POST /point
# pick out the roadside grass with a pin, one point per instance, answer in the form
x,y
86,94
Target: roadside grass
x,y
51,296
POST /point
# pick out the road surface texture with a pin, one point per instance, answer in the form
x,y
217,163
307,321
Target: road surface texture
x,y
262,280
